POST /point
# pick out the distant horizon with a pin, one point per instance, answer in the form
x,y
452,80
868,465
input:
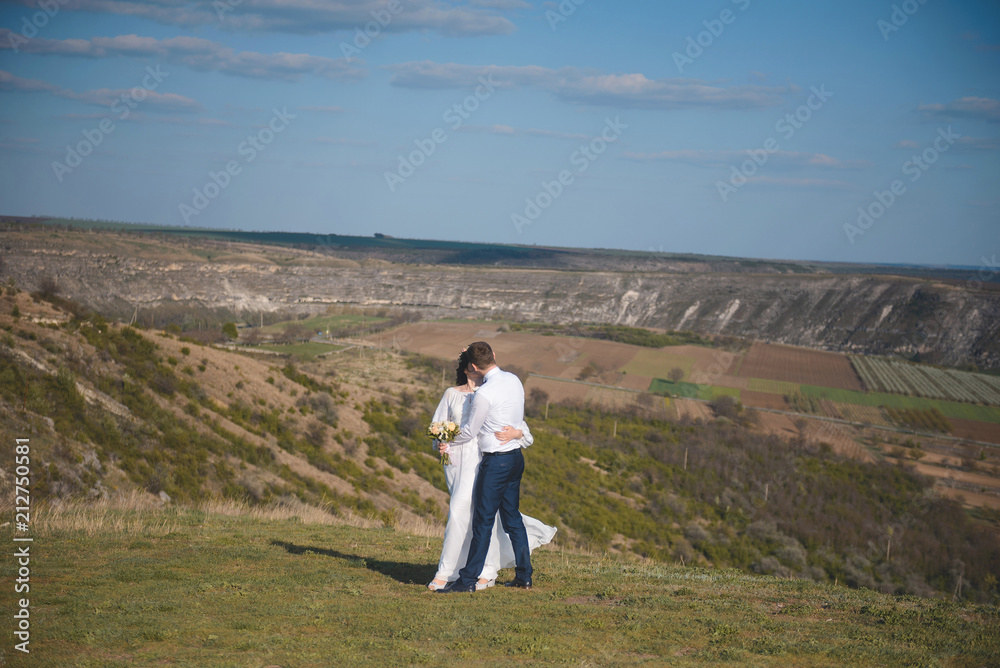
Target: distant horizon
x,y
194,228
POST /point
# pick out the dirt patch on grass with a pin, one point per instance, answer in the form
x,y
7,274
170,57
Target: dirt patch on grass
x,y
764,400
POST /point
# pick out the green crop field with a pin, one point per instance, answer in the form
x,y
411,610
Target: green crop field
x,y
649,362
899,377
772,386
712,392
691,390
681,389
949,408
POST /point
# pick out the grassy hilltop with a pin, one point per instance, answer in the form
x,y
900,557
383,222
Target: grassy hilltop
x,y
225,586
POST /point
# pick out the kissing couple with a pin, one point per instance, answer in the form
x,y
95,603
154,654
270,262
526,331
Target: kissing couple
x,y
484,478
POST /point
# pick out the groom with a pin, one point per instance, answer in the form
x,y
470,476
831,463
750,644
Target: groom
x,y
498,402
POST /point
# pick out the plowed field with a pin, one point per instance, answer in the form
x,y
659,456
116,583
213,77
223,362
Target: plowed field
x,y
977,431
800,365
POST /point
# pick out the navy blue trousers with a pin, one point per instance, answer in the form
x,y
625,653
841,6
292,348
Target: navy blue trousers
x,y
498,487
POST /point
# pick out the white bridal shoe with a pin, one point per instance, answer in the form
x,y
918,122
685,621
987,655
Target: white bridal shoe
x,y
480,584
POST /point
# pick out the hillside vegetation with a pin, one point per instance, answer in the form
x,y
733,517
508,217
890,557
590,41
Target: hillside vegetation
x,y
112,408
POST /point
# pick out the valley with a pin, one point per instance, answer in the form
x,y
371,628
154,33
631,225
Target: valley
x,y
695,447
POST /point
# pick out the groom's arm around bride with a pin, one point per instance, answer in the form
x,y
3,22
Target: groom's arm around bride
x,y
497,403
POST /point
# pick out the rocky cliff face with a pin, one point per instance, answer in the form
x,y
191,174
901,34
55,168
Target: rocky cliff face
x,y
948,324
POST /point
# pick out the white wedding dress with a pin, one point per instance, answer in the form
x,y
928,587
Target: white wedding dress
x,y
460,475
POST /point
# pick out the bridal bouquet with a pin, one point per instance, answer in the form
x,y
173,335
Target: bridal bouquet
x,y
446,433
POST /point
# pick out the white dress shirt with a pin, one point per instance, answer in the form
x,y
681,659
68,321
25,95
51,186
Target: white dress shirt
x,y
456,406
497,403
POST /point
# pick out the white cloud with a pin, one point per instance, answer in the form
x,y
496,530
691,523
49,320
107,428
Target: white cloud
x,y
778,159
196,53
974,108
591,87
509,131
305,16
103,97
11,82
979,143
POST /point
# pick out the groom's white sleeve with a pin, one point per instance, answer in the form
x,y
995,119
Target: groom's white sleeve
x,y
526,437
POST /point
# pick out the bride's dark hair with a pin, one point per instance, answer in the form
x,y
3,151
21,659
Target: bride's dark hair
x,y
463,363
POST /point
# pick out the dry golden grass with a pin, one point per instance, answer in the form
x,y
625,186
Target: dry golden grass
x,y
136,513
127,514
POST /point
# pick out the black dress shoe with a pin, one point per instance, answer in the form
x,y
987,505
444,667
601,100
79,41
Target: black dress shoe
x,y
455,588
519,584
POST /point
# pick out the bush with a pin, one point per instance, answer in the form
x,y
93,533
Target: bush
x,y
726,407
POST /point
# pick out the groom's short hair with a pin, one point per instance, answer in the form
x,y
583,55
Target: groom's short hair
x,y
480,354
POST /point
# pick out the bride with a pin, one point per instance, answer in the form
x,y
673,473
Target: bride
x,y
460,475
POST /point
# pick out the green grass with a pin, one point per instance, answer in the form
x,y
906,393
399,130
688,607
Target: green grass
x,y
182,587
952,409
304,351
712,392
692,390
772,386
658,363
679,389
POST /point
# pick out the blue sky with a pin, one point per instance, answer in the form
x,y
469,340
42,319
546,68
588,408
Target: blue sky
x,y
858,131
